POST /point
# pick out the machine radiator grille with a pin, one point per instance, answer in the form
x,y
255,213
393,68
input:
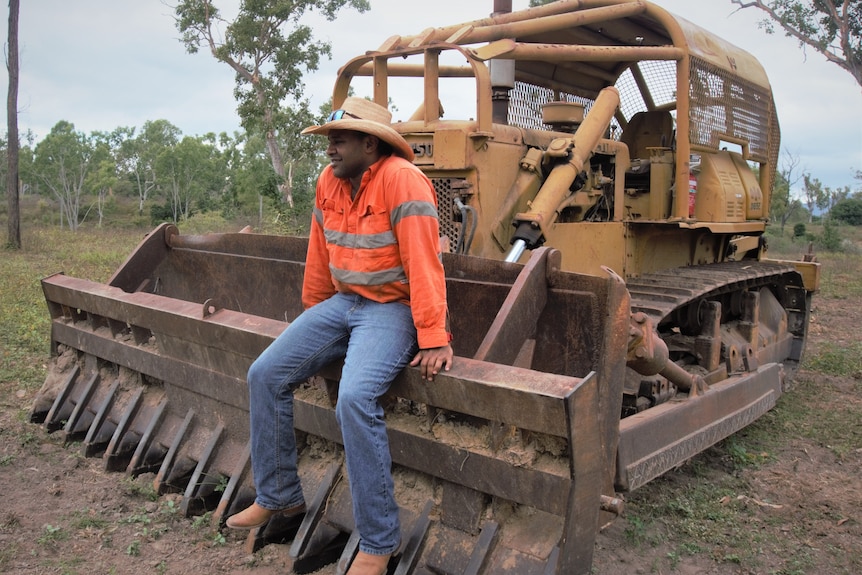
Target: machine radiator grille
x,y
446,193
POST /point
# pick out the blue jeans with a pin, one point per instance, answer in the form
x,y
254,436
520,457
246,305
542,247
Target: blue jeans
x,y
376,341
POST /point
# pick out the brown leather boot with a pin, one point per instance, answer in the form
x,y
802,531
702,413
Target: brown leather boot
x,y
367,564
255,516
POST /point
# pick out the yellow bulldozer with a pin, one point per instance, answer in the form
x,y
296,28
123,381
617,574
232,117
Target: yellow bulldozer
x,y
603,194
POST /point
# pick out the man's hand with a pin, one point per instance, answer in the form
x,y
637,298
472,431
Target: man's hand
x,y
431,360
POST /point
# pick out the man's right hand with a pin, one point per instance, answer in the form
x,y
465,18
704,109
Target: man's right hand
x,y
432,360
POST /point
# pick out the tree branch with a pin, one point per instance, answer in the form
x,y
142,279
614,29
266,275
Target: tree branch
x,y
843,54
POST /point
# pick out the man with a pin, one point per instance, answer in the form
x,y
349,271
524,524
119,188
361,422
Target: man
x,y
375,295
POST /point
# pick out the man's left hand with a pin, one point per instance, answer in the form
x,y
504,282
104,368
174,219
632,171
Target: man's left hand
x,y
431,360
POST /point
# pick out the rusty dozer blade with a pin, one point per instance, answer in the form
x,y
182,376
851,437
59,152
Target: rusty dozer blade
x,y
501,465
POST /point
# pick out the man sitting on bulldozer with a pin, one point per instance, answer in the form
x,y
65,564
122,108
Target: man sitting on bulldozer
x,y
374,294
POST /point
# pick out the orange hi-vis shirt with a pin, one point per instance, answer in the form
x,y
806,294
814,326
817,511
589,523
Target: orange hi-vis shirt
x,y
383,245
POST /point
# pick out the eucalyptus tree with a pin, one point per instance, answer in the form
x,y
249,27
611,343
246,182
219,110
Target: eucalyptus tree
x,y
62,161
254,183
269,50
103,179
230,148
782,205
831,27
190,174
137,154
815,195
304,150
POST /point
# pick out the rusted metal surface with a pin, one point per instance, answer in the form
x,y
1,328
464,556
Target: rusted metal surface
x,y
190,428
660,438
155,383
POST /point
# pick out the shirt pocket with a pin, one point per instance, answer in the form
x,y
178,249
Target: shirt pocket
x,y
331,206
333,215
374,232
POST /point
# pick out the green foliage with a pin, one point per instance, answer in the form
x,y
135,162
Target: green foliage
x,y
265,45
207,222
831,238
815,196
160,213
848,211
62,163
52,534
192,175
635,530
126,179
134,548
140,489
799,230
782,206
218,539
268,49
136,155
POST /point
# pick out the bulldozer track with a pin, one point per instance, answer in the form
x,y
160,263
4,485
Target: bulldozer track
x,y
659,294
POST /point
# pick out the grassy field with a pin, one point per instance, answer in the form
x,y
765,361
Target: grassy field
x,y
24,322
716,514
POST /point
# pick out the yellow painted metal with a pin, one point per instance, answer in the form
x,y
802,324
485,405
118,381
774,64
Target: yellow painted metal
x,y
589,249
526,175
810,272
544,207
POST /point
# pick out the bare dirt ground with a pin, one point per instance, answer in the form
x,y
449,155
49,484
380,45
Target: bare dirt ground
x,y
800,507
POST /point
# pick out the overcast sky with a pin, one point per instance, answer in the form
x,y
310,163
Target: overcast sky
x,y
101,64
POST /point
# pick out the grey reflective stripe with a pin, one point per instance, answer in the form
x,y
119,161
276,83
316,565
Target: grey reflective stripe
x,y
360,241
415,208
368,278
318,215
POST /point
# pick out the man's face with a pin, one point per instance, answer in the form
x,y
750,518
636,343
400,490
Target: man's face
x,y
348,153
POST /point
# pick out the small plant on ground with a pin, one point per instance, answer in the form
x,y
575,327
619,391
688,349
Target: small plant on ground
x,y
134,548
144,490
52,534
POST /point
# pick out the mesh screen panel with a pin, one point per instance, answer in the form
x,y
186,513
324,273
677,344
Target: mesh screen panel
x,y
725,105
722,105
659,75
526,101
445,199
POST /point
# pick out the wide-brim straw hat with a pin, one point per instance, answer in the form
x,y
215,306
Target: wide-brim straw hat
x,y
361,115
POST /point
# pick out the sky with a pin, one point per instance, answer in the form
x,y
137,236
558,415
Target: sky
x,y
103,64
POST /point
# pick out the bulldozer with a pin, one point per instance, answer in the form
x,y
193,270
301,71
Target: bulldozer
x,y
603,195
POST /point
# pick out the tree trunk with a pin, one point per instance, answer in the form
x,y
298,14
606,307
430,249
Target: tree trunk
x,y
274,151
14,223
278,166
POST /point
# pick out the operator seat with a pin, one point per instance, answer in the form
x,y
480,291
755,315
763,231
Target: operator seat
x,y
648,130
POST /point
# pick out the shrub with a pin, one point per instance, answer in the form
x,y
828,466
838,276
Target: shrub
x,y
831,238
848,211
